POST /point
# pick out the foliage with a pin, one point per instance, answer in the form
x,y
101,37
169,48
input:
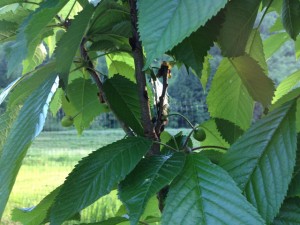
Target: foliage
x,y
241,170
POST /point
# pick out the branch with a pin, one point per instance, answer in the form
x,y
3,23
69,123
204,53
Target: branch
x,y
137,51
102,98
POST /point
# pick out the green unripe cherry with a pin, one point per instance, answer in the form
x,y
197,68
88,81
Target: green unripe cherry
x,y
199,134
67,121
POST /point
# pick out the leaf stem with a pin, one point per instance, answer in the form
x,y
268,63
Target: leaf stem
x,y
185,118
163,144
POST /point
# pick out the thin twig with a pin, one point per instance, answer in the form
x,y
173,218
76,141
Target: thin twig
x,y
209,146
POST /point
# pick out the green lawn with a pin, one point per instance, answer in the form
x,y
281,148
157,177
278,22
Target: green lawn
x,y
50,159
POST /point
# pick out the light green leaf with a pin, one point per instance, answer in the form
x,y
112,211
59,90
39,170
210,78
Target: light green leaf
x,y
69,43
273,43
96,175
262,160
289,213
122,93
27,125
291,17
9,2
213,136
162,26
205,71
39,54
83,103
277,26
255,49
235,32
286,98
31,30
56,102
228,98
297,48
287,85
193,49
148,178
259,86
122,64
205,194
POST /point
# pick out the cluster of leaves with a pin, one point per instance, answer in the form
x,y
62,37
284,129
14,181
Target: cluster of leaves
x,y
253,181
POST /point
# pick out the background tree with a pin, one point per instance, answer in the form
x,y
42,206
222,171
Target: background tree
x,y
235,172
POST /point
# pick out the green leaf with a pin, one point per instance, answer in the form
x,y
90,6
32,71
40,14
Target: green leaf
x,y
228,98
148,178
273,43
27,125
259,86
31,30
291,17
289,213
277,26
122,93
83,103
262,160
205,194
229,131
287,85
191,51
95,176
56,102
235,32
69,43
163,26
255,49
213,136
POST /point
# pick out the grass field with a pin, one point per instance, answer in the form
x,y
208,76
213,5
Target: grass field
x,y
49,160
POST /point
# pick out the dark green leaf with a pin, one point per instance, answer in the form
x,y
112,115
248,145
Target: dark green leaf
x,y
214,155
8,30
262,160
95,176
291,17
8,2
205,194
122,93
294,188
193,49
235,32
228,98
229,131
255,49
148,178
70,42
163,26
259,86
289,213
